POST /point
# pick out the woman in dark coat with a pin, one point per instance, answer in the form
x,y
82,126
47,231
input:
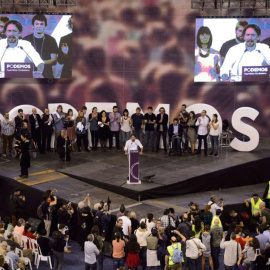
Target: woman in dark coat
x,y
25,158
104,130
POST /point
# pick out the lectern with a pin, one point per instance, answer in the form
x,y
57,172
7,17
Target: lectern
x,y
134,167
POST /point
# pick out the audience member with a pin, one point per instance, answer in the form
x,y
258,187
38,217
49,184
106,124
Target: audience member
x,y
91,252
149,221
133,257
122,211
185,227
17,205
99,242
166,219
44,243
151,252
118,251
238,238
206,215
215,204
16,261
206,240
7,224
2,232
255,202
134,222
263,239
237,219
4,248
265,214
126,225
3,264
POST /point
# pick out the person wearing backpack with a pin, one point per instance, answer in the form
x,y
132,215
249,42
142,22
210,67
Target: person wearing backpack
x,y
194,251
174,255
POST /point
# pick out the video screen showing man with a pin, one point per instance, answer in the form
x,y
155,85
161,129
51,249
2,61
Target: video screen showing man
x,y
44,44
65,52
3,21
15,50
249,53
239,38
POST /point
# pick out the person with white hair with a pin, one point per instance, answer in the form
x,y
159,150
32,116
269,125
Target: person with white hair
x,y
91,251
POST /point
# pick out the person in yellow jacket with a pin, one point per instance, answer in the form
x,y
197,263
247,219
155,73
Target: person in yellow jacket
x,y
254,202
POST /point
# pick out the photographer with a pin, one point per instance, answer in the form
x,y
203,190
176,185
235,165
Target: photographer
x,y
85,220
64,215
104,218
193,211
215,204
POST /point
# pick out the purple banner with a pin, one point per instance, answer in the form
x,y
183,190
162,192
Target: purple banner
x,y
253,74
18,70
134,167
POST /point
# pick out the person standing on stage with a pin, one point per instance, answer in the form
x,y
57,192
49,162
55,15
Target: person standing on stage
x,y
84,110
183,119
44,44
137,123
35,123
65,52
70,119
162,127
149,120
15,50
132,144
63,144
7,133
19,119
94,127
81,132
214,133
47,130
25,158
115,119
58,117
202,123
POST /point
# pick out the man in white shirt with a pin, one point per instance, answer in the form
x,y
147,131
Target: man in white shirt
x,y
192,251
249,53
91,251
133,144
126,225
215,205
15,50
202,122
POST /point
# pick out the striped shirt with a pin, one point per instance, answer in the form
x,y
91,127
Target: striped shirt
x,y
7,128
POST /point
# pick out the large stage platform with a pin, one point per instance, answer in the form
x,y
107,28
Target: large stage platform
x,y
174,175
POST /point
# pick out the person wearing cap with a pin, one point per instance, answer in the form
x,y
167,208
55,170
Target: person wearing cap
x,y
255,206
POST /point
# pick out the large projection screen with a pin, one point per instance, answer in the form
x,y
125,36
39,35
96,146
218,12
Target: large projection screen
x,y
36,45
232,49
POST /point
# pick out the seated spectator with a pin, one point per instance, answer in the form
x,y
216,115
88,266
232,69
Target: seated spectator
x,y
197,227
118,252
3,248
239,239
206,215
206,240
27,233
7,224
134,222
175,135
2,232
3,264
237,219
17,262
133,249
19,228
91,252
44,243
152,244
149,221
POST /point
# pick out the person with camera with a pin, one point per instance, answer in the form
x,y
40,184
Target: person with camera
x,y
105,219
17,206
193,212
215,204
64,215
58,244
185,226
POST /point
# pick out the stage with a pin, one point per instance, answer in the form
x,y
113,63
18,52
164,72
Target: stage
x,y
174,175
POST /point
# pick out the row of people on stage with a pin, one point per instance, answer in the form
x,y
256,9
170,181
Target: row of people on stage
x,y
38,48
105,126
226,65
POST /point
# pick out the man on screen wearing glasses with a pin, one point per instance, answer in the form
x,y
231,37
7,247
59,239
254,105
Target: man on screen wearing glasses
x,y
249,53
15,50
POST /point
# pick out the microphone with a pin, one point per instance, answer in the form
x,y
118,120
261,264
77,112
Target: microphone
x,y
2,57
267,62
240,61
26,53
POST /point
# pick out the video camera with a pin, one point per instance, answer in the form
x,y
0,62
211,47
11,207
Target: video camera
x,y
108,203
190,204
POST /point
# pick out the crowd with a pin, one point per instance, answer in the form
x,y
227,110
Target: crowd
x,y
171,241
37,130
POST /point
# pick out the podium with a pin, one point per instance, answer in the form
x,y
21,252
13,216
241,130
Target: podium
x,y
134,167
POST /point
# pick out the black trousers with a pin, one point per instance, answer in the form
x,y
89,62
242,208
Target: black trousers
x,y
116,134
36,134
164,135
94,138
204,138
79,141
24,170
46,141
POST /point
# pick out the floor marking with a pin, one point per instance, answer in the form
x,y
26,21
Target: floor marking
x,y
127,206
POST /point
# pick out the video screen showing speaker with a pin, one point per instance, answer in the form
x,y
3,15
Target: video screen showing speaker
x,y
232,49
36,45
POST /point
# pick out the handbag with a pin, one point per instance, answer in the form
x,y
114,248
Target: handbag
x,y
200,252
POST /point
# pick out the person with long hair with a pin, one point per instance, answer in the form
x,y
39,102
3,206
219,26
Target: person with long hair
x,y
125,126
192,135
27,232
70,119
134,221
58,119
133,257
250,250
94,127
206,216
25,157
214,133
81,132
118,251
104,130
149,221
7,224
207,60
197,226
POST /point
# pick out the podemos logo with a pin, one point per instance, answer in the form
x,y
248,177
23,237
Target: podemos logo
x,y
19,66
259,69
